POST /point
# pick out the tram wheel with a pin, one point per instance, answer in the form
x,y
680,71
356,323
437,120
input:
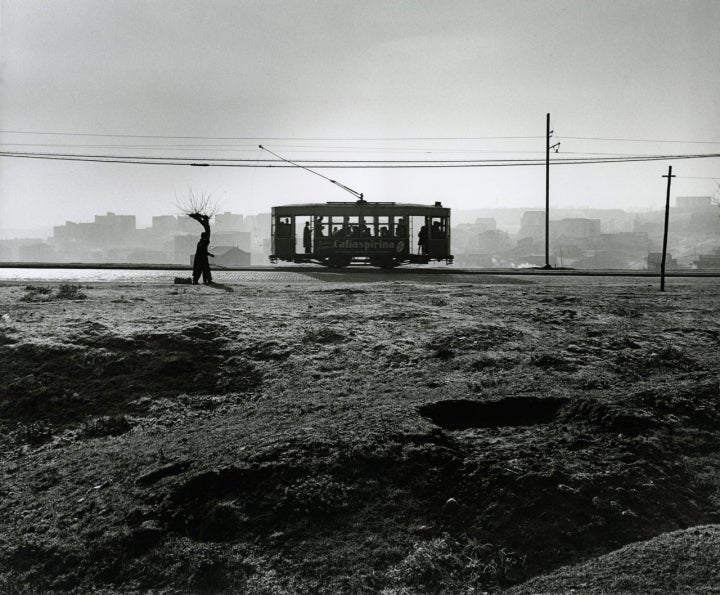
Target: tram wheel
x,y
338,262
384,262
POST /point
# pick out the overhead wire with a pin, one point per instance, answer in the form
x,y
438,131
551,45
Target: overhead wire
x,y
643,140
355,139
306,149
345,164
504,157
268,138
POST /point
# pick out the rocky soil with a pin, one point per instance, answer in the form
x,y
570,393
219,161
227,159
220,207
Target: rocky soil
x,y
360,434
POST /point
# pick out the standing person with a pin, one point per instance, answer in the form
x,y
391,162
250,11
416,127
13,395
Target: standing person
x,y
201,264
307,238
422,240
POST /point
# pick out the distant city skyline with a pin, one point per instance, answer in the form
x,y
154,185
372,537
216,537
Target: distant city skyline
x,y
496,238
462,214
340,80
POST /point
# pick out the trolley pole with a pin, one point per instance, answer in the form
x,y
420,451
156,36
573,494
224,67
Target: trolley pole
x,y
669,177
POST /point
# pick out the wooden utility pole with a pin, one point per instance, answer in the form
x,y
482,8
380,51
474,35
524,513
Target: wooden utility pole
x,y
669,177
548,132
547,190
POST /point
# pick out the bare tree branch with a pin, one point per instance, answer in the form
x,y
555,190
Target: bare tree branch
x,y
197,203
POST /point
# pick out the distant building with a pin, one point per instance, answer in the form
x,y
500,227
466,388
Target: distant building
x,y
691,202
108,229
118,223
576,229
629,241
493,242
708,262
184,245
185,224
229,222
654,261
6,251
485,224
532,225
241,239
165,223
230,256
39,252
467,237
78,232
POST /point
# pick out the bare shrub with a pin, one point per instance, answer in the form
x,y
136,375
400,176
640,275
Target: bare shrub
x,y
66,291
70,292
36,293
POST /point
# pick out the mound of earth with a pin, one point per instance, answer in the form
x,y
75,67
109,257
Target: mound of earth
x,y
678,562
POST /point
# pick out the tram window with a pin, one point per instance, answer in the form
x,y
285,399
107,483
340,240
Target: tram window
x,y
352,227
334,226
381,226
319,226
438,228
339,227
283,228
401,228
366,227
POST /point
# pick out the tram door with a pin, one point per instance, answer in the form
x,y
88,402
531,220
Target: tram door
x,y
309,232
284,242
418,235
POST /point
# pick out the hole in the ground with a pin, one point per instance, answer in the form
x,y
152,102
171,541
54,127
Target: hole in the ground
x,y
461,414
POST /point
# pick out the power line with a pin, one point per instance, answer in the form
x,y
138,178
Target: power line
x,y
306,149
359,139
644,140
268,138
344,164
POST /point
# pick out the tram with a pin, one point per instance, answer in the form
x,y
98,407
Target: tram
x,y
379,234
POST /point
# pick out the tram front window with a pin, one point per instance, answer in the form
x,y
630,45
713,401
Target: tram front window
x,y
283,228
438,228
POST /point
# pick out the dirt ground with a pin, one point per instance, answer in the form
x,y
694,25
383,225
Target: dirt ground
x,y
360,434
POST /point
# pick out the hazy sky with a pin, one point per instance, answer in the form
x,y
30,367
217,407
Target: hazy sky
x,y
349,79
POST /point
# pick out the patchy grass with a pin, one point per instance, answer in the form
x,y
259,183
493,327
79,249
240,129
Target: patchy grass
x,y
450,565
39,293
109,425
70,292
277,439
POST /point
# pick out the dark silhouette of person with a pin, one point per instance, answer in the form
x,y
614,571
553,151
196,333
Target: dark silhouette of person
x,y
422,240
307,238
201,263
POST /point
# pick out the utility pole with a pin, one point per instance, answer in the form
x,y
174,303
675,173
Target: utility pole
x,y
669,177
547,189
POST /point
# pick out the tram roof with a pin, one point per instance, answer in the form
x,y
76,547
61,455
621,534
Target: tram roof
x,y
357,206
